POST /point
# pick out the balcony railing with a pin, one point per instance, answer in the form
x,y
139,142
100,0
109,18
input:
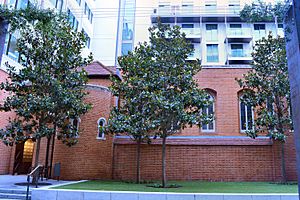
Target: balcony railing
x,y
196,10
240,53
191,32
238,32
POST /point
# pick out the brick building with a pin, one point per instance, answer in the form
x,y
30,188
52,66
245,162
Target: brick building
x,y
221,154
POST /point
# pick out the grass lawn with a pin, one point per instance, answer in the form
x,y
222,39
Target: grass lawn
x,y
187,187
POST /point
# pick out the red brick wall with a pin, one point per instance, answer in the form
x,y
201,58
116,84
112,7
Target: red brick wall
x,y
5,152
206,161
91,158
222,81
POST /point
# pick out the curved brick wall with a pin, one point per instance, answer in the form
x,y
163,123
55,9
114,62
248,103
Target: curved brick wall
x,y
5,152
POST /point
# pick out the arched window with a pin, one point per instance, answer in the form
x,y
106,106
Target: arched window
x,y
209,111
75,123
246,116
101,124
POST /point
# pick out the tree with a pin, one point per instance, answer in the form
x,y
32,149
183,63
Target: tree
x,y
269,91
49,89
261,12
132,117
159,85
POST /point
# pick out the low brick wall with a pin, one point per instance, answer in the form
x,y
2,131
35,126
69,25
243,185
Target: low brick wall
x,y
205,158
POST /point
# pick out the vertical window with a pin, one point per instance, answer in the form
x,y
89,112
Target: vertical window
x,y
259,31
88,39
237,50
88,12
59,5
126,47
246,116
73,21
212,32
12,49
101,124
75,125
127,33
212,53
78,1
209,111
280,30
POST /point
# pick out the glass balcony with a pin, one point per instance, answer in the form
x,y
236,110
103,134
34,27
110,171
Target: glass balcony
x,y
242,35
192,32
196,10
239,53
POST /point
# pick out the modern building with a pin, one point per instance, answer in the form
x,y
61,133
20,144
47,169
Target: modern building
x,y
96,18
220,150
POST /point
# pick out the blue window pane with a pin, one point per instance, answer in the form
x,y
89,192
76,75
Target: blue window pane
x,y
126,47
22,4
212,53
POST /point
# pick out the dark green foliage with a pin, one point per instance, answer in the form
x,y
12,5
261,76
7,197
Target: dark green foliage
x,y
261,12
269,89
49,90
159,95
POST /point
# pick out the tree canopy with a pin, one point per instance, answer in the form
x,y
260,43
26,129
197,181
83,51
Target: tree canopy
x,y
160,96
48,90
260,11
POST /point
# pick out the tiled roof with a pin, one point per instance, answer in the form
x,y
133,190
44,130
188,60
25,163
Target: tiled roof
x,y
96,68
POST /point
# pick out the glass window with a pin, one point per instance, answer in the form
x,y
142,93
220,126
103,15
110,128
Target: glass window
x,y
212,32
126,47
187,25
78,1
12,50
101,124
75,124
246,117
22,4
73,21
88,39
59,5
209,111
127,33
259,31
237,50
235,25
212,53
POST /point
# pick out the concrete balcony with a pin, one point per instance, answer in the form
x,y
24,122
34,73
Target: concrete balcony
x,y
239,57
191,13
240,35
192,34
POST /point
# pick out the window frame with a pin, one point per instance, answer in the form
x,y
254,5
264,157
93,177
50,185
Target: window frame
x,y
212,97
98,132
246,116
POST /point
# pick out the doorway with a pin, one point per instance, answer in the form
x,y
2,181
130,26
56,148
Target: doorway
x,y
23,157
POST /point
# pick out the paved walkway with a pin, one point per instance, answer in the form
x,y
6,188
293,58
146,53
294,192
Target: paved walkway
x,y
8,182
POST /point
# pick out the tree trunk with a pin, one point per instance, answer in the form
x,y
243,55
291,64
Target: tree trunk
x,y
36,162
164,177
283,169
138,158
47,158
52,151
281,130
